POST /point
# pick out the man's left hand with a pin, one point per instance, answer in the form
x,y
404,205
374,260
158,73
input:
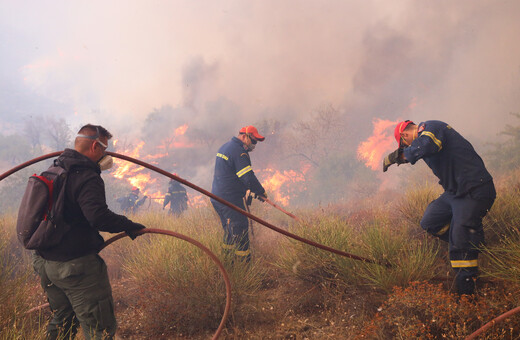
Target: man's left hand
x,y
393,158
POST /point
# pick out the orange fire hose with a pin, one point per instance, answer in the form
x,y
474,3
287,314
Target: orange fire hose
x,y
216,198
280,208
492,323
243,212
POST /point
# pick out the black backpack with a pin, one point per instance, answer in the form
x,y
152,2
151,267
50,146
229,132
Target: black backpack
x,y
40,223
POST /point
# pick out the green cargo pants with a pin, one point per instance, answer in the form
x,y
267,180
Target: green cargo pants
x,y
78,290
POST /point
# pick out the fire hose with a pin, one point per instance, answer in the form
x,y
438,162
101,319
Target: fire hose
x,y
257,219
281,209
187,239
207,193
492,323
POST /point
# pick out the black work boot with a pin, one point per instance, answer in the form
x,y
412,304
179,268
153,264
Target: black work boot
x,y
66,331
465,280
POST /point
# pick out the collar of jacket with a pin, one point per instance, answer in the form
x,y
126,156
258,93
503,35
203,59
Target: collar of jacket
x,y
239,142
70,158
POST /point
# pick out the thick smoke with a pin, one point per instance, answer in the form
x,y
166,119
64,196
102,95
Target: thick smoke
x,y
144,69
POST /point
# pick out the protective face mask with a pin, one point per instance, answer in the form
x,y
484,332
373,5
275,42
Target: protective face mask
x,y
106,162
250,147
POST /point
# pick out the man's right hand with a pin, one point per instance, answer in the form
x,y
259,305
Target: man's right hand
x,y
261,197
133,233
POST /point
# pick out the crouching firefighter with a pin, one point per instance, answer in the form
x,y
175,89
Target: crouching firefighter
x,y
232,178
456,216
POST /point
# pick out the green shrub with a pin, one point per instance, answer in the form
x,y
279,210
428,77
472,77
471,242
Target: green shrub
x,y
503,258
412,204
409,259
319,266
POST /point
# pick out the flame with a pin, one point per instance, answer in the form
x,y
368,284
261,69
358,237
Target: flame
x,y
132,172
279,185
177,141
140,181
197,200
181,130
158,155
382,140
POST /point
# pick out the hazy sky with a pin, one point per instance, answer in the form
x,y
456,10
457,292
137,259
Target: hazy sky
x,y
114,62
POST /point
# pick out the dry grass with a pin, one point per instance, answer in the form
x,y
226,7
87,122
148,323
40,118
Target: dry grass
x,y
166,288
17,283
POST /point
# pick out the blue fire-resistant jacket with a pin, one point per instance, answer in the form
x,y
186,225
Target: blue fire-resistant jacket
x,y
450,156
233,172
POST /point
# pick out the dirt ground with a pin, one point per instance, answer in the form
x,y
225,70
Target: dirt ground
x,y
282,309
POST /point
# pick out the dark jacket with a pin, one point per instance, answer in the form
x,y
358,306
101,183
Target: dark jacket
x,y
233,173
131,202
176,197
85,210
450,156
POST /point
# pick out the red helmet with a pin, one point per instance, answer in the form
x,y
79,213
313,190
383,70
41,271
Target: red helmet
x,y
399,129
135,189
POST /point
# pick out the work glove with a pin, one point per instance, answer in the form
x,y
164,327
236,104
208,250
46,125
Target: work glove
x,y
135,228
261,197
393,158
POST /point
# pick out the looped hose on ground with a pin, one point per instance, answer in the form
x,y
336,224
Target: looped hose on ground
x,y
199,245
187,239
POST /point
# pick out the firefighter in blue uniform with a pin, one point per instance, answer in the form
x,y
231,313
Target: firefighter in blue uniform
x,y
176,197
233,177
131,202
469,192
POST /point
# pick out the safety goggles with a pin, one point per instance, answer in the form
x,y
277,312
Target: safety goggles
x,y
95,138
253,141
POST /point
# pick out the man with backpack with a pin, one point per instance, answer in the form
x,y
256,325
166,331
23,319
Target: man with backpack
x,y
73,275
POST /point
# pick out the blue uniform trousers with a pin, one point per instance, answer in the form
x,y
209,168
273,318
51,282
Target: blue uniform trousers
x,y
458,220
235,225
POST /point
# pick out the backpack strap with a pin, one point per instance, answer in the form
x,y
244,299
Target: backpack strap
x,y
50,186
